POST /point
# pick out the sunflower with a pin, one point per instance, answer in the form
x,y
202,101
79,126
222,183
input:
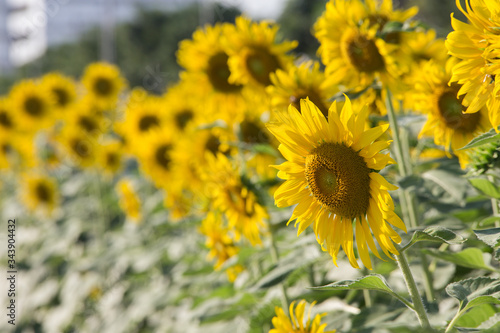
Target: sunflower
x,y
158,158
183,112
8,122
82,149
40,193
305,80
104,84
129,201
142,115
254,52
331,173
31,105
84,119
295,323
476,44
446,121
110,157
229,195
62,89
221,245
350,46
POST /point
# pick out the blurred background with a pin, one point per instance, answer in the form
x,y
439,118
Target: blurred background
x,y
141,36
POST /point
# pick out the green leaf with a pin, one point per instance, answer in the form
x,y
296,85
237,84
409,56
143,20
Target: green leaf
x,y
448,181
491,136
486,187
475,291
489,221
275,276
489,236
435,234
370,282
470,257
476,315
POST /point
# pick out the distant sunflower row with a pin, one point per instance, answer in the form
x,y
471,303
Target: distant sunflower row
x,y
205,143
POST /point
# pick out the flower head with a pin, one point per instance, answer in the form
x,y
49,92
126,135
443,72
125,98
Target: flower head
x,y
295,323
331,174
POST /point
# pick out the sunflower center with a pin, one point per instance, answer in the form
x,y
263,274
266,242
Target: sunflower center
x,y
260,63
212,144
252,132
451,110
80,148
313,97
218,73
147,122
43,193
62,97
5,120
34,106
87,123
162,156
103,86
339,179
182,118
112,160
363,54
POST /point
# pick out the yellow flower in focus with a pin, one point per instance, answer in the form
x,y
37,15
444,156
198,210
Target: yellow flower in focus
x,y
129,201
40,193
31,105
62,88
477,44
295,323
331,175
228,194
104,84
299,82
447,122
254,52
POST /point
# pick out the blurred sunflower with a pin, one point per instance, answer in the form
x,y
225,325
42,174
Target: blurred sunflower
x,y
141,117
84,119
129,201
31,105
158,158
81,148
228,194
447,122
350,46
62,88
40,193
220,243
295,323
183,111
331,174
7,120
305,80
110,157
254,52
104,84
477,45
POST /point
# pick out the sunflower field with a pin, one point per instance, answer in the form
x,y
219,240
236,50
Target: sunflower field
x,y
264,191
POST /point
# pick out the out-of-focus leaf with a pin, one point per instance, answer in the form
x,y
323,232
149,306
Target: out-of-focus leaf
x,y
275,276
491,136
486,187
470,257
435,234
409,181
489,221
450,182
489,236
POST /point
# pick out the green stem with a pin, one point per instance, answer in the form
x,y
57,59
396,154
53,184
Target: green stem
x,y
429,290
453,321
368,299
413,290
407,198
275,257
